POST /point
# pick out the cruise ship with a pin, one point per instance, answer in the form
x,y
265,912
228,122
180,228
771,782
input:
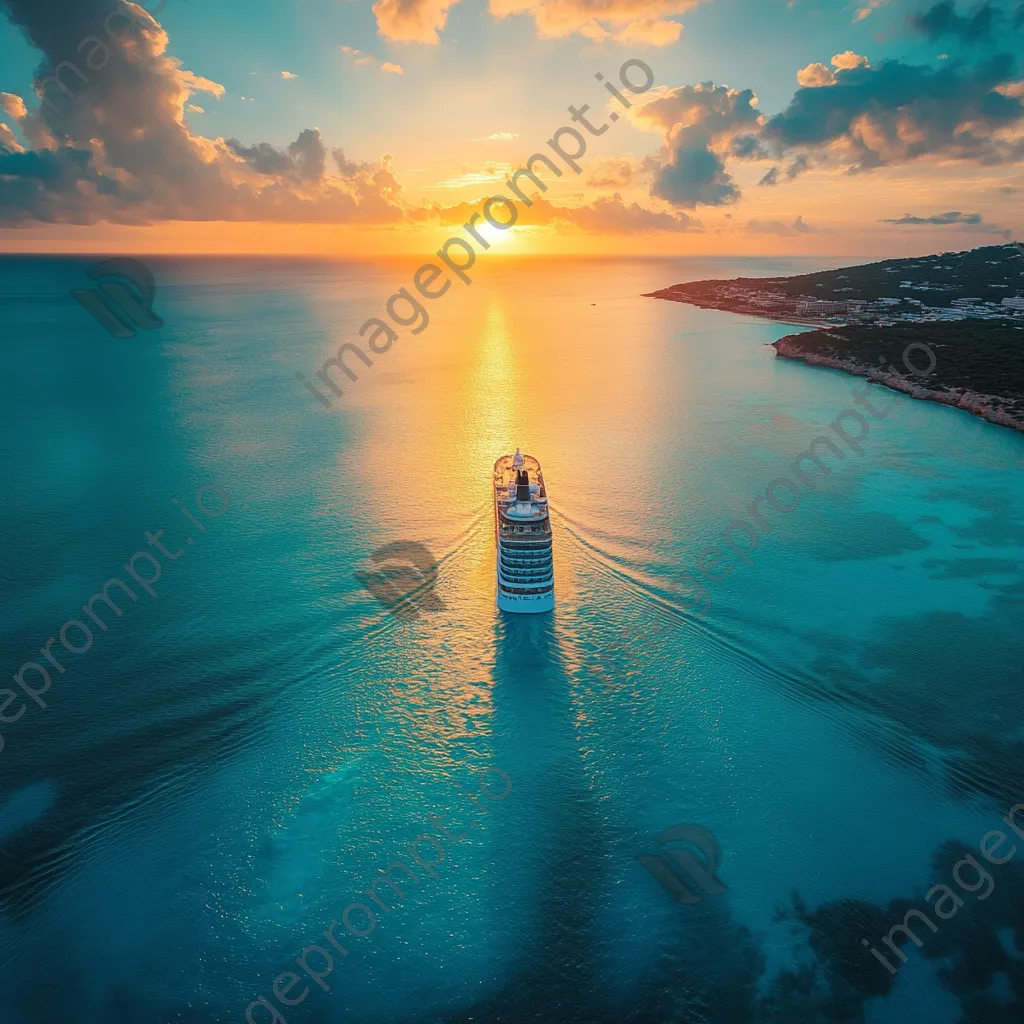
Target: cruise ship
x,y
522,533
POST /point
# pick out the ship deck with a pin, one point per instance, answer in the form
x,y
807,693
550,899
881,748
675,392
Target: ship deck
x,y
504,473
523,522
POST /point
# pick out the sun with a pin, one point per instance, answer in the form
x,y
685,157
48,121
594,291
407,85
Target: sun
x,y
496,237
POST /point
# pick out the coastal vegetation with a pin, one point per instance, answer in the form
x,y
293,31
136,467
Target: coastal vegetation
x,y
988,274
979,366
966,308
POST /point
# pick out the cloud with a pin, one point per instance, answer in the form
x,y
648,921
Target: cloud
x,y
606,214
798,166
632,21
701,123
815,76
650,32
412,21
868,117
8,142
747,147
847,60
304,160
489,173
695,174
894,113
193,109
121,151
498,137
968,221
941,19
642,32
717,108
801,226
613,215
868,8
613,172
771,177
13,105
288,74
778,227
953,217
346,167
360,57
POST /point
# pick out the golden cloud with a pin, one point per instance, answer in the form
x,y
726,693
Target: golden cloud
x,y
815,76
412,21
642,19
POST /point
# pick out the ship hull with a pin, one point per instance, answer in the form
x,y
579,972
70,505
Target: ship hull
x,y
528,604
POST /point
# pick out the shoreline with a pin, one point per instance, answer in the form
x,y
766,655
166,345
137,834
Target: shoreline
x,y
974,402
984,406
800,321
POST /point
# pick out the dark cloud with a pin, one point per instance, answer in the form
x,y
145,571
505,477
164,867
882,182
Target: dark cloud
x,y
110,142
953,217
263,157
344,165
309,154
941,19
694,174
698,121
798,166
870,116
894,112
970,221
304,160
747,147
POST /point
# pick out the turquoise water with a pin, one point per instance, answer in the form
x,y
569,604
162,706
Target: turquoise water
x,y
230,764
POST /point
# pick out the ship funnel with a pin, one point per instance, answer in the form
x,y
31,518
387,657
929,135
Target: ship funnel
x,y
522,485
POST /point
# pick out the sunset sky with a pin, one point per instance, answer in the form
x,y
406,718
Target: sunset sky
x,y
879,128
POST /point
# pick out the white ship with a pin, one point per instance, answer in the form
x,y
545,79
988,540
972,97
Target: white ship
x,y
522,532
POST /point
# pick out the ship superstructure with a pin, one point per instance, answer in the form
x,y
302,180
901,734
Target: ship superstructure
x,y
522,533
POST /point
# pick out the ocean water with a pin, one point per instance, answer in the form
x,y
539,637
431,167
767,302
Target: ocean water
x,y
220,776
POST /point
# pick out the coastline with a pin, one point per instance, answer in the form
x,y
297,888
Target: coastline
x,y
974,402
800,321
795,346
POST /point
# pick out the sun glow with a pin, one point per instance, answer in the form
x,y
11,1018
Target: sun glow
x,y
497,237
